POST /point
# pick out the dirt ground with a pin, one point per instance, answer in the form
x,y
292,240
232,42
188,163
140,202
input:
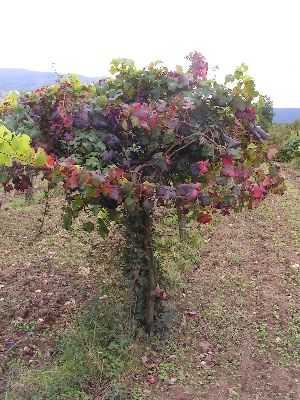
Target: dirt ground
x,y
238,331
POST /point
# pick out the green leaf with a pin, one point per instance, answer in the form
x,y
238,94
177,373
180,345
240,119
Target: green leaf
x,y
15,144
95,210
101,88
4,178
102,228
160,161
41,158
153,146
224,99
272,171
102,101
5,160
172,86
24,143
29,123
75,82
135,121
169,138
238,103
129,202
145,139
151,77
33,133
93,162
88,226
155,93
10,122
88,147
155,131
89,191
67,218
112,93
113,70
114,215
229,78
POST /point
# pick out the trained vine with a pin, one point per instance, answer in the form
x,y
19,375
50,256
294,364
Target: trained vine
x,y
149,137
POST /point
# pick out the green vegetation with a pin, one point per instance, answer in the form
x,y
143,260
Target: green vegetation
x,y
286,139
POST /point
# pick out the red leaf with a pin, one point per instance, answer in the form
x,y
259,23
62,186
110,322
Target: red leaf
x,y
73,182
49,163
229,170
163,296
204,218
152,120
150,379
192,195
157,289
202,165
161,293
67,121
257,192
266,181
141,111
167,160
227,158
116,173
192,314
204,71
148,190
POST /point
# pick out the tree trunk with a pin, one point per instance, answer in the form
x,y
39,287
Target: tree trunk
x,y
152,273
182,224
139,264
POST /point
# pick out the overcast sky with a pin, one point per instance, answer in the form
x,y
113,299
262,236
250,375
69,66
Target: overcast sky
x,y
82,37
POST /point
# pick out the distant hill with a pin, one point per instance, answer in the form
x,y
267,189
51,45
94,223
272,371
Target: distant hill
x,y
24,80
286,115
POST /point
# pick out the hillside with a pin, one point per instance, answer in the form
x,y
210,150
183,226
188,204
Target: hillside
x,y
24,80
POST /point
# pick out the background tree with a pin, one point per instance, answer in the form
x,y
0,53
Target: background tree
x,y
296,125
266,113
147,138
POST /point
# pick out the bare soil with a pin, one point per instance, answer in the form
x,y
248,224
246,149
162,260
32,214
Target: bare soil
x,y
237,333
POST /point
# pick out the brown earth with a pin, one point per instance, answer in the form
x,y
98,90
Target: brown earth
x,y
237,333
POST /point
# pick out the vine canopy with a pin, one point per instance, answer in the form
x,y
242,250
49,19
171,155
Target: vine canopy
x,y
146,137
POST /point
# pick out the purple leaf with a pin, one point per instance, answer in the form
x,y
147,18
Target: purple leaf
x,y
111,140
81,120
113,194
107,155
98,122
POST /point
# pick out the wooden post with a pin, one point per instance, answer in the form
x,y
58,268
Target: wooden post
x,y
182,224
